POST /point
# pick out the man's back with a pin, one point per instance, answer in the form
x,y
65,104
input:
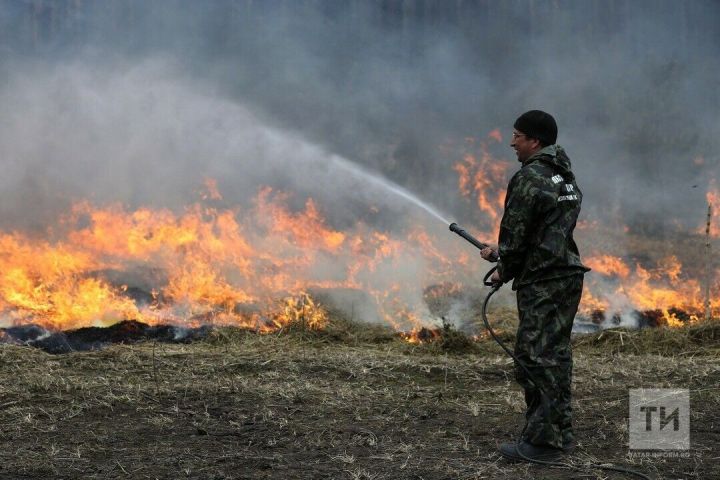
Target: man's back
x,y
541,210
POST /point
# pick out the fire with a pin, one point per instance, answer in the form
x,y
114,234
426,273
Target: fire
x,y
210,192
443,290
616,285
306,228
591,303
482,177
258,265
253,267
496,135
300,310
664,289
607,265
422,335
53,282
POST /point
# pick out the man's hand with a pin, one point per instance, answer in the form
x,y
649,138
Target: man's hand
x,y
490,254
495,278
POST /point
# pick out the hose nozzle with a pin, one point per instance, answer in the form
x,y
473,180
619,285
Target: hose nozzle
x,y
454,227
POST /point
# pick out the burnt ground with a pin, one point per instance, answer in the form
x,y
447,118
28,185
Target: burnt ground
x,y
299,405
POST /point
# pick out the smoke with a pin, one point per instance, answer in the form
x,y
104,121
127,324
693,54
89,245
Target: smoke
x,y
142,134
135,100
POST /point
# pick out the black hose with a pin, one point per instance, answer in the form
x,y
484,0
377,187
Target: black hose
x,y
494,288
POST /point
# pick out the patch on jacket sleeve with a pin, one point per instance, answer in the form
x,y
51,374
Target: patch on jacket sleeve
x,y
557,178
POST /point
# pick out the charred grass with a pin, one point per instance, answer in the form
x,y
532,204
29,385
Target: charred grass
x,y
349,402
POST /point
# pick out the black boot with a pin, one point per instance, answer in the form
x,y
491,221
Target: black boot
x,y
524,451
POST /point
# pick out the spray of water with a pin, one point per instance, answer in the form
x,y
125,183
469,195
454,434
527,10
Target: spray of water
x,y
393,187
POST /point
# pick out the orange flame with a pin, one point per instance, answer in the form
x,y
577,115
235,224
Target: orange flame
x,y
607,265
496,135
613,282
54,282
207,264
258,267
483,177
421,335
664,289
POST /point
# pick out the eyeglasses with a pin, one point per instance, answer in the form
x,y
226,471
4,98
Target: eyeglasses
x,y
517,135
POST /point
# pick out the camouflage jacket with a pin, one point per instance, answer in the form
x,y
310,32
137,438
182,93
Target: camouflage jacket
x,y
536,233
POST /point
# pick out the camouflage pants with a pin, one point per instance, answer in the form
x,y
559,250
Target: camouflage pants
x,y
547,310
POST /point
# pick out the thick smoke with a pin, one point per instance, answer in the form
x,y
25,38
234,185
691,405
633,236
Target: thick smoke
x,y
135,101
144,135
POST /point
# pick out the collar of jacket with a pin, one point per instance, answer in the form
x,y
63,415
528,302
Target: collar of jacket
x,y
555,157
550,151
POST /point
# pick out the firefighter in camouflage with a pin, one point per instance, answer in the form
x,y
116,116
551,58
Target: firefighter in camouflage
x,y
537,252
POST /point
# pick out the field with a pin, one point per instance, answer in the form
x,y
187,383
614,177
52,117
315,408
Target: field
x,y
350,402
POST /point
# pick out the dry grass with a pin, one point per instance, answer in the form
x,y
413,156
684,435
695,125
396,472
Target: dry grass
x,y
350,402
692,340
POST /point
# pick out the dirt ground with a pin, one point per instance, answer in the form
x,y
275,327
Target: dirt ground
x,y
298,405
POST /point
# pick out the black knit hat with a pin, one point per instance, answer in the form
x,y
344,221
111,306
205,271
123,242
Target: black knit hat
x,y
538,124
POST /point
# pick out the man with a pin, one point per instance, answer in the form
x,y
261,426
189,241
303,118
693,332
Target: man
x,y
537,252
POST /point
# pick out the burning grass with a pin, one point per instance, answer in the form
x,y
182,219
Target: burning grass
x,y
214,263
348,401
